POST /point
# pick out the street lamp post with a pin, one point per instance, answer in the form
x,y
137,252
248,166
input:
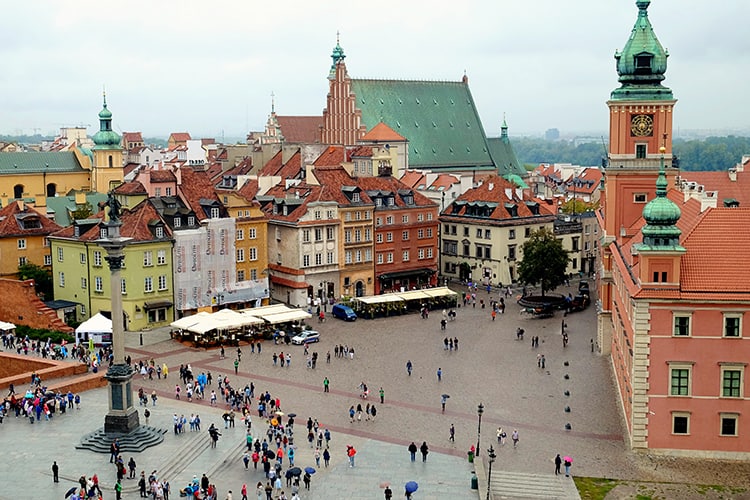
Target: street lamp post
x,y
492,456
480,411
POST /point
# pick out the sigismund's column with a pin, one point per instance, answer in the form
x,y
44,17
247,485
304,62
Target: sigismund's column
x,y
122,417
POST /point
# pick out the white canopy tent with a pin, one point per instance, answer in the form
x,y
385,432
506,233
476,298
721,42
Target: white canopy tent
x,y
285,317
97,323
184,323
6,327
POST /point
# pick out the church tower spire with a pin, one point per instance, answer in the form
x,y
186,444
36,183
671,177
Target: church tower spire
x,y
107,170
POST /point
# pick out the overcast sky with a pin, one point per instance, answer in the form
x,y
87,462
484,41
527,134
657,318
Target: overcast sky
x,y
210,67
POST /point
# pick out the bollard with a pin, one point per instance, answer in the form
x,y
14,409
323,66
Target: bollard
x,y
141,339
471,456
474,481
567,376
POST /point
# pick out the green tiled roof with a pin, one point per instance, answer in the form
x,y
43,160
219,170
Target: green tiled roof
x,y
439,120
504,157
33,162
62,206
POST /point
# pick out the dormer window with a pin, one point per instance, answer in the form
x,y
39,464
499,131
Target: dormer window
x,y
191,221
378,202
76,231
177,222
159,232
214,212
391,201
355,198
409,199
103,232
643,63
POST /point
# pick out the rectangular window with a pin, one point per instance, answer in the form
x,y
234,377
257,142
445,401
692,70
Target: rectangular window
x,y
379,238
467,250
640,151
348,236
405,235
59,254
97,258
732,325
358,256
83,311
47,260
389,219
479,232
466,231
420,233
348,257
680,423
162,282
147,258
330,233
98,284
148,284
102,232
253,253
191,221
729,424
487,234
318,259
420,253
84,283
487,252
159,231
527,232
357,235
681,325
161,257
62,280
405,256
639,198
177,222
429,215
22,244
318,234
368,234
241,275
679,383
305,236
357,214
380,258
123,287
215,212
429,232
420,217
389,257
379,221
305,261
389,237
240,234
82,258
731,382
329,258
512,234
252,233
254,274
429,253
368,254
405,219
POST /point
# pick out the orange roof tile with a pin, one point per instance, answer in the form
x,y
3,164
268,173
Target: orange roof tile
x,y
361,152
303,129
12,218
196,185
272,166
443,181
161,176
250,189
333,155
131,188
179,136
713,262
721,182
382,133
413,178
135,224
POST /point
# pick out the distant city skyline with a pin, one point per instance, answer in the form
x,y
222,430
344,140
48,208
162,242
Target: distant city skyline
x,y
182,67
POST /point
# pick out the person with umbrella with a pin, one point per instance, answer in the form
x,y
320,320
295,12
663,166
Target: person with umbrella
x,y
443,400
567,461
410,488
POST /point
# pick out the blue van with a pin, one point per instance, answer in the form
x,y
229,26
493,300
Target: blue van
x,y
344,312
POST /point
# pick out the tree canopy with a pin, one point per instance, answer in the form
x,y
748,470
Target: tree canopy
x,y
544,262
42,279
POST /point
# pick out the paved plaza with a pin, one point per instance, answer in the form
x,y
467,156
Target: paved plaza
x,y
490,367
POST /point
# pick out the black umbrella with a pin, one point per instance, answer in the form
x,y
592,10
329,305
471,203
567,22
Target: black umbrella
x,y
446,396
294,471
71,491
270,454
291,415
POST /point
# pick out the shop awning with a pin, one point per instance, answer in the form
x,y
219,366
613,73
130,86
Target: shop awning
x,y
413,295
157,304
442,291
402,274
187,321
285,317
380,299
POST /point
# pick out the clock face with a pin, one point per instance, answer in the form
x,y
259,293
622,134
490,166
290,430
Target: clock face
x,y
642,125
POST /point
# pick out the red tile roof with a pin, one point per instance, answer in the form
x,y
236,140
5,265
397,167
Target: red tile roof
x,y
361,152
12,215
131,188
303,129
250,189
132,137
129,167
161,176
196,186
272,166
715,248
214,170
292,169
443,181
245,166
414,179
493,190
135,224
382,133
721,182
179,136
334,156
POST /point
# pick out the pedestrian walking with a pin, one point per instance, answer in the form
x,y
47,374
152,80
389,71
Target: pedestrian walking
x,y
439,374
501,436
408,367
325,384
558,463
326,457
413,451
424,449
567,464
236,366
514,437
452,437
55,472
382,395
443,400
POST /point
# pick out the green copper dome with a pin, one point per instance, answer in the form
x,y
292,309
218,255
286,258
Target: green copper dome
x,y
642,64
661,215
337,56
106,138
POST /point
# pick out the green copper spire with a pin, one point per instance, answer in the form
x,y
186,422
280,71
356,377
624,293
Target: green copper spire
x,y
661,215
337,55
642,64
106,138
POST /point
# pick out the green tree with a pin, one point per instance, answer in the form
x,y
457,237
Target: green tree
x,y
42,279
580,206
82,211
544,261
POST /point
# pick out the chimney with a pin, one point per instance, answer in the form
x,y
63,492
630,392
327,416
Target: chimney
x,y
509,193
733,174
491,186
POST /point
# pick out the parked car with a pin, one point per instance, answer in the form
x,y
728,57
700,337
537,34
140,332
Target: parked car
x,y
583,287
344,312
306,337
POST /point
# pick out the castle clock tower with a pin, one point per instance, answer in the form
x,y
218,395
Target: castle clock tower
x,y
640,151
107,170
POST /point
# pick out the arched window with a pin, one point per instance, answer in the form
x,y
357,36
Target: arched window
x,y
51,190
109,159
18,191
